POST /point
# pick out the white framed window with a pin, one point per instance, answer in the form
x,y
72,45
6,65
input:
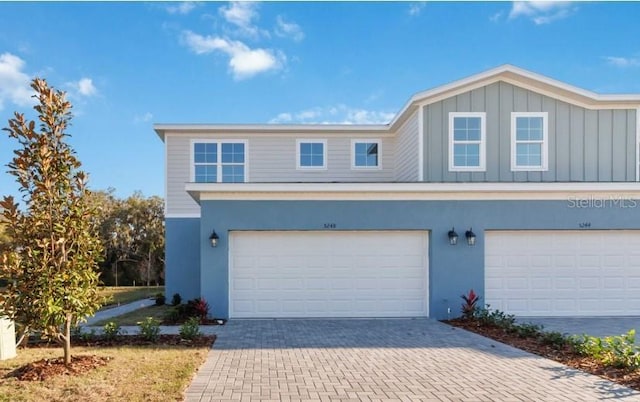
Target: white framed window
x,y
366,154
467,141
311,154
529,141
218,161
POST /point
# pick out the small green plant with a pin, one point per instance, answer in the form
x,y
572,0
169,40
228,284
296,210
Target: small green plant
x,y
554,339
88,336
176,299
497,318
173,315
111,330
616,351
190,329
160,299
149,329
469,307
527,330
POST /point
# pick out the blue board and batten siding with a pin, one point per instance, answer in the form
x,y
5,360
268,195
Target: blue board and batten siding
x,y
453,270
182,257
584,145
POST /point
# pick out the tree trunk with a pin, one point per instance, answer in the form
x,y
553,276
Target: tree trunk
x,y
67,341
149,268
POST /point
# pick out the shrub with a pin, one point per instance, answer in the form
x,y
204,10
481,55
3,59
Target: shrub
x,y
111,330
150,329
198,308
497,318
468,308
190,329
173,315
617,351
160,299
88,336
176,299
554,339
527,330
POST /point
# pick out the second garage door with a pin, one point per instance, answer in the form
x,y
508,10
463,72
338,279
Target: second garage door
x,y
563,273
328,274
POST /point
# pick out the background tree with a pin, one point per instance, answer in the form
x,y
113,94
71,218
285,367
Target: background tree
x,y
51,270
4,236
132,232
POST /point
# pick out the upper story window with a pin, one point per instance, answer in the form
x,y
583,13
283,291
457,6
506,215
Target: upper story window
x,y
218,161
311,154
467,142
365,154
529,144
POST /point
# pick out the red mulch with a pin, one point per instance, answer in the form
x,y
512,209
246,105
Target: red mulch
x,y
46,368
565,355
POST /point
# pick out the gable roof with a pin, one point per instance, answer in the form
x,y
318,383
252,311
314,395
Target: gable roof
x,y
505,73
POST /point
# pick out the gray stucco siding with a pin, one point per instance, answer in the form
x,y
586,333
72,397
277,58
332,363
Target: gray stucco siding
x,y
583,144
452,269
182,257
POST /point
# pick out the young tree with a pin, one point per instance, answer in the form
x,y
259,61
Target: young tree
x,y
51,267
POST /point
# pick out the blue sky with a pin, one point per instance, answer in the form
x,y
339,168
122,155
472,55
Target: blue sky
x,y
126,66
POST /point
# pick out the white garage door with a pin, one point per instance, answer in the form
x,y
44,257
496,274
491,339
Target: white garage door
x,y
328,274
563,273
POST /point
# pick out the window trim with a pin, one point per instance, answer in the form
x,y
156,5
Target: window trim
x,y
219,142
355,141
300,141
544,149
482,167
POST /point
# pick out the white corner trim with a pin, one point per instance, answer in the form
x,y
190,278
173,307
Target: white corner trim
x,y
638,144
412,191
421,135
183,216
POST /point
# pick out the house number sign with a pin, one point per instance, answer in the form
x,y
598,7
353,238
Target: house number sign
x,y
329,225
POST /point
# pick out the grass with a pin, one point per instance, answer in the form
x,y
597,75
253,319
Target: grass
x,y
127,294
133,317
140,373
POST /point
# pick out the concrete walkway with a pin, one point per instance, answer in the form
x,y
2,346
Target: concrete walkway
x,y
400,359
119,310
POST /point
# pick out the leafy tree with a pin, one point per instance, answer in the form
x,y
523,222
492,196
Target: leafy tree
x,y
132,231
5,241
52,267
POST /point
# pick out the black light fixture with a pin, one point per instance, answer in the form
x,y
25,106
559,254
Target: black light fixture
x,y
471,237
214,239
453,237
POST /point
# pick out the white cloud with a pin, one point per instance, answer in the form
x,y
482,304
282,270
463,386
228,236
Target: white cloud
x,y
82,88
14,83
496,17
145,118
86,87
542,12
338,114
623,61
244,62
288,29
242,14
183,7
415,9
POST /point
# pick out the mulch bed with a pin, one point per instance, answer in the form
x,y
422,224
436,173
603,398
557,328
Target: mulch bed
x,y
565,355
44,369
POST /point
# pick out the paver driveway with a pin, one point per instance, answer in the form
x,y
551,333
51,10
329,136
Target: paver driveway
x,y
399,359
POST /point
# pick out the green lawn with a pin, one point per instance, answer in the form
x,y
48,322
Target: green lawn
x,y
136,316
127,294
142,373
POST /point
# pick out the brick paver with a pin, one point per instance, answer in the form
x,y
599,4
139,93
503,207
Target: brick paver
x,y
381,360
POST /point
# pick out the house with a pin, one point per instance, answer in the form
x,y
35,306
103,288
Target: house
x,y
510,183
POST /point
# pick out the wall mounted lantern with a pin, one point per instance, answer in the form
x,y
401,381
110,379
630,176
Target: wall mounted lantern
x,y
214,239
453,237
471,237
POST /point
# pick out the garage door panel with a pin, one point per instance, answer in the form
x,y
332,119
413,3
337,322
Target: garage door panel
x,y
329,274
566,272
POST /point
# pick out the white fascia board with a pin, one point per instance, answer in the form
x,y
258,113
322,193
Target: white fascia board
x,y
413,191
